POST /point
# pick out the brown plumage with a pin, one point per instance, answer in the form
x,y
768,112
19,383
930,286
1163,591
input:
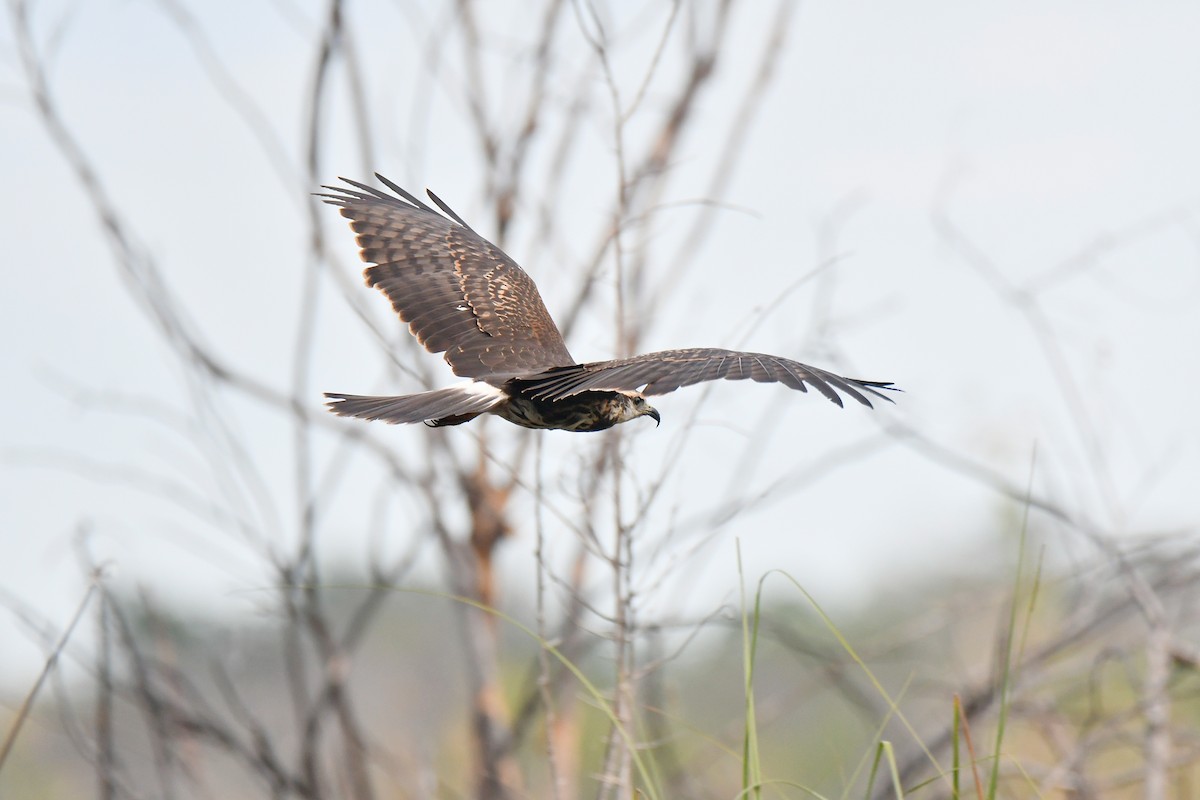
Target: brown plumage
x,y
462,296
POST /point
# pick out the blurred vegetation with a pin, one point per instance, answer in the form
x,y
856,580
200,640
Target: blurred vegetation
x,y
1076,715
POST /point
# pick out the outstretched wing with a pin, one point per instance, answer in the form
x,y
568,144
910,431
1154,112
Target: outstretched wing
x,y
459,293
667,370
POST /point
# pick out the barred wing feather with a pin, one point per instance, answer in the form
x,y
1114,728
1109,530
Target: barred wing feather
x,y
459,293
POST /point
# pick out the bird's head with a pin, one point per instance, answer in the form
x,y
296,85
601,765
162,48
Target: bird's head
x,y
638,407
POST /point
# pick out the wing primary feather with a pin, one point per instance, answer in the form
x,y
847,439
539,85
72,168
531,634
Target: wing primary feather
x,y
369,190
449,211
763,369
402,192
777,372
799,379
873,386
849,388
368,193
809,376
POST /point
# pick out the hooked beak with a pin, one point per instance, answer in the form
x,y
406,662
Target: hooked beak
x,y
653,412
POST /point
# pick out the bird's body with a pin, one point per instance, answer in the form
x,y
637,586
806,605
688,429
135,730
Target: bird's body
x,y
586,411
462,296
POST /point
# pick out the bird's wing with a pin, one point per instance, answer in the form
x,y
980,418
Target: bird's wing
x,y
459,293
667,370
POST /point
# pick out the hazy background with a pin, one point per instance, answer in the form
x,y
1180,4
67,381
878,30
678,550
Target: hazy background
x,y
1062,140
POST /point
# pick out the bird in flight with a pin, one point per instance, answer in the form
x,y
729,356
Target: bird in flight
x,y
462,296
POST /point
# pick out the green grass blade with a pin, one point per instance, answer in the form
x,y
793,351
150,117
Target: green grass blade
x,y
751,764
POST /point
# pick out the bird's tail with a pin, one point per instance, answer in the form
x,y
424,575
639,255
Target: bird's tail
x,y
465,400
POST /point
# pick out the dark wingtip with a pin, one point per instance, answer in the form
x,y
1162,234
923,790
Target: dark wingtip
x,y
873,387
362,192
341,194
395,187
447,209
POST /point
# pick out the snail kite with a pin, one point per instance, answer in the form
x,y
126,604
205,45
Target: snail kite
x,y
462,296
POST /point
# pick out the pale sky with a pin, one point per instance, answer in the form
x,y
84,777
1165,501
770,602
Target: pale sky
x,y
1061,140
